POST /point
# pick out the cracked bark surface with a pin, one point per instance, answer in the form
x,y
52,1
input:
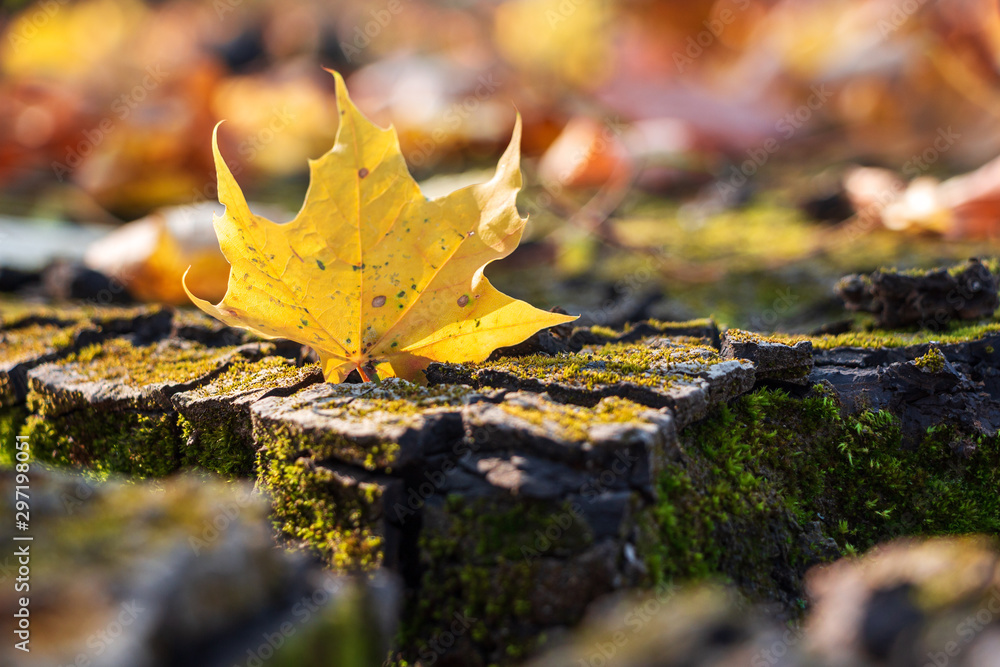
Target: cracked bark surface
x,y
511,473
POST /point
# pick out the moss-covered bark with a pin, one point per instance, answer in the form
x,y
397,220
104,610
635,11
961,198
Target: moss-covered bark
x,y
483,576
772,484
337,512
137,444
504,512
11,423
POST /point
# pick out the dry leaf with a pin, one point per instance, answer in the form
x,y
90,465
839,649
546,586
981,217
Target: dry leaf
x,y
370,273
148,256
964,206
587,154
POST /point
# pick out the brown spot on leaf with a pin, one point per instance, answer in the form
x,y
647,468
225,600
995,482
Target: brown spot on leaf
x,y
378,301
362,172
463,300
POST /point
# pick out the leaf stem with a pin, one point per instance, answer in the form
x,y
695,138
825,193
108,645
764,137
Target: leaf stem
x,y
368,374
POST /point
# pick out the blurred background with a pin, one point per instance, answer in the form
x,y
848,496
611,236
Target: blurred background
x,y
682,158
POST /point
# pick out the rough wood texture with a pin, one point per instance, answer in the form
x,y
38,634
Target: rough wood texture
x,y
520,490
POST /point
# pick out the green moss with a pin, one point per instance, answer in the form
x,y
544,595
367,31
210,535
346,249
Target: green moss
x,y
284,441
745,237
193,317
137,444
341,634
932,362
992,265
657,326
605,332
331,517
954,332
574,422
741,336
16,311
758,266
216,447
716,516
25,343
8,395
217,433
769,456
11,421
396,404
133,438
608,364
394,398
313,508
244,375
698,322
121,360
481,562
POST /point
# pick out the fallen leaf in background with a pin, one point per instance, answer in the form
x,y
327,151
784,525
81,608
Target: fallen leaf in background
x,y
568,40
734,75
870,189
371,274
919,208
974,202
149,256
653,154
587,154
965,206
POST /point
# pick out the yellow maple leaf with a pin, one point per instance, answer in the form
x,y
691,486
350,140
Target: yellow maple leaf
x,y
370,273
